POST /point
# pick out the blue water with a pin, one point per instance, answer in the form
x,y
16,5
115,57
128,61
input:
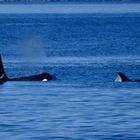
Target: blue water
x,y
84,52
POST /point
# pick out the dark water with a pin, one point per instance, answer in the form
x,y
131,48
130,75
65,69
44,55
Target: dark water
x,y
84,52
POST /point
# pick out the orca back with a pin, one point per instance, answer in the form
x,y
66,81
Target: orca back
x,y
3,76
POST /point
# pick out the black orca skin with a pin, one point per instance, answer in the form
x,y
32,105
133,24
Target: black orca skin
x,y
124,78
39,77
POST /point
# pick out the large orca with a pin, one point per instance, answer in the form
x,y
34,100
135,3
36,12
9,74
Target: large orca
x,y
123,78
39,77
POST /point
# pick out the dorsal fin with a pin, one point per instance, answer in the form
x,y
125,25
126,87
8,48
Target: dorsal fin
x,y
123,77
3,75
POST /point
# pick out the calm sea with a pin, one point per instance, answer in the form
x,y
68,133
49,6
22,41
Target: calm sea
x,y
84,52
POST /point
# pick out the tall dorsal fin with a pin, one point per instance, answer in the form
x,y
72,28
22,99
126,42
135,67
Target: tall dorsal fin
x,y
3,75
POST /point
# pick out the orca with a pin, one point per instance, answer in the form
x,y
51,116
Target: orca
x,y
123,78
39,77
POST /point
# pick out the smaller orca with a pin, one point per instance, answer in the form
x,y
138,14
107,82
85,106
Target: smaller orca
x,y
123,78
40,77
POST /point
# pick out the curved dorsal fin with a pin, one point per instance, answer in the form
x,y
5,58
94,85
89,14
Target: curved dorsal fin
x,y
123,77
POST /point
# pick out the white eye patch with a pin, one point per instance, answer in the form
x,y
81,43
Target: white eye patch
x,y
44,80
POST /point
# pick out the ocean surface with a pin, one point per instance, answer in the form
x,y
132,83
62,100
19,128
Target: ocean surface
x,y
84,52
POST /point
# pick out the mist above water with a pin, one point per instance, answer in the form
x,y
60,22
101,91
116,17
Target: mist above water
x,y
31,49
